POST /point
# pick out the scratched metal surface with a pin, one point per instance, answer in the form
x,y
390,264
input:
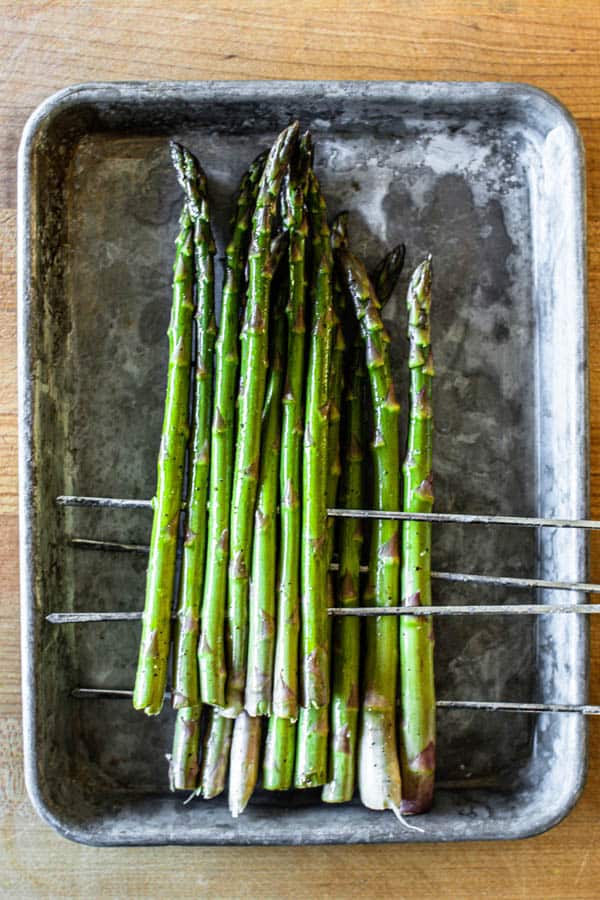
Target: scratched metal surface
x,y
488,179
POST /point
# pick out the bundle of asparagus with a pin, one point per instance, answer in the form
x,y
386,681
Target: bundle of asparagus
x,y
276,429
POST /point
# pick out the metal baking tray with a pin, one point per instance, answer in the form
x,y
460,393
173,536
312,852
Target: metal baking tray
x,y
489,178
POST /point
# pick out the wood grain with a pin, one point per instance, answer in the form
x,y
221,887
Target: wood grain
x,y
48,44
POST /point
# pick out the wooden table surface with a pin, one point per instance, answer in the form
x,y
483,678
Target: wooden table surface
x,y
48,44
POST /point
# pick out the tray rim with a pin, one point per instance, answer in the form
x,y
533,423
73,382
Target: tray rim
x,y
158,91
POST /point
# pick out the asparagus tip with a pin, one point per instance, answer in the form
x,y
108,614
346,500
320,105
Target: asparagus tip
x,y
307,148
339,231
177,160
420,282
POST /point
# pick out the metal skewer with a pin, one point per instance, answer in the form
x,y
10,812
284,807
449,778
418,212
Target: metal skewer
x,y
102,502
461,577
437,611
459,518
485,705
75,618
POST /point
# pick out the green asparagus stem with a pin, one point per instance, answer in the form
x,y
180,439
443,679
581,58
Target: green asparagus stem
x,y
311,747
212,649
285,681
215,754
183,763
314,558
185,680
339,239
253,370
346,630
243,765
261,632
311,738
334,465
378,770
280,747
417,730
156,622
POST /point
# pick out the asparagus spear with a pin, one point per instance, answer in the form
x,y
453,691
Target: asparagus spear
x,y
183,762
334,466
278,769
311,747
243,765
378,768
211,652
339,238
417,730
386,273
156,621
185,680
313,730
311,740
215,754
285,682
314,559
280,746
250,403
346,630
261,633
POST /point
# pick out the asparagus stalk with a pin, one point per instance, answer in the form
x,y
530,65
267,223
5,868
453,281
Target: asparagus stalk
x,y
261,633
285,681
311,768
334,466
185,680
215,754
278,769
250,403
211,652
243,766
156,621
378,768
314,558
339,238
280,746
346,630
311,747
183,762
417,729
311,739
